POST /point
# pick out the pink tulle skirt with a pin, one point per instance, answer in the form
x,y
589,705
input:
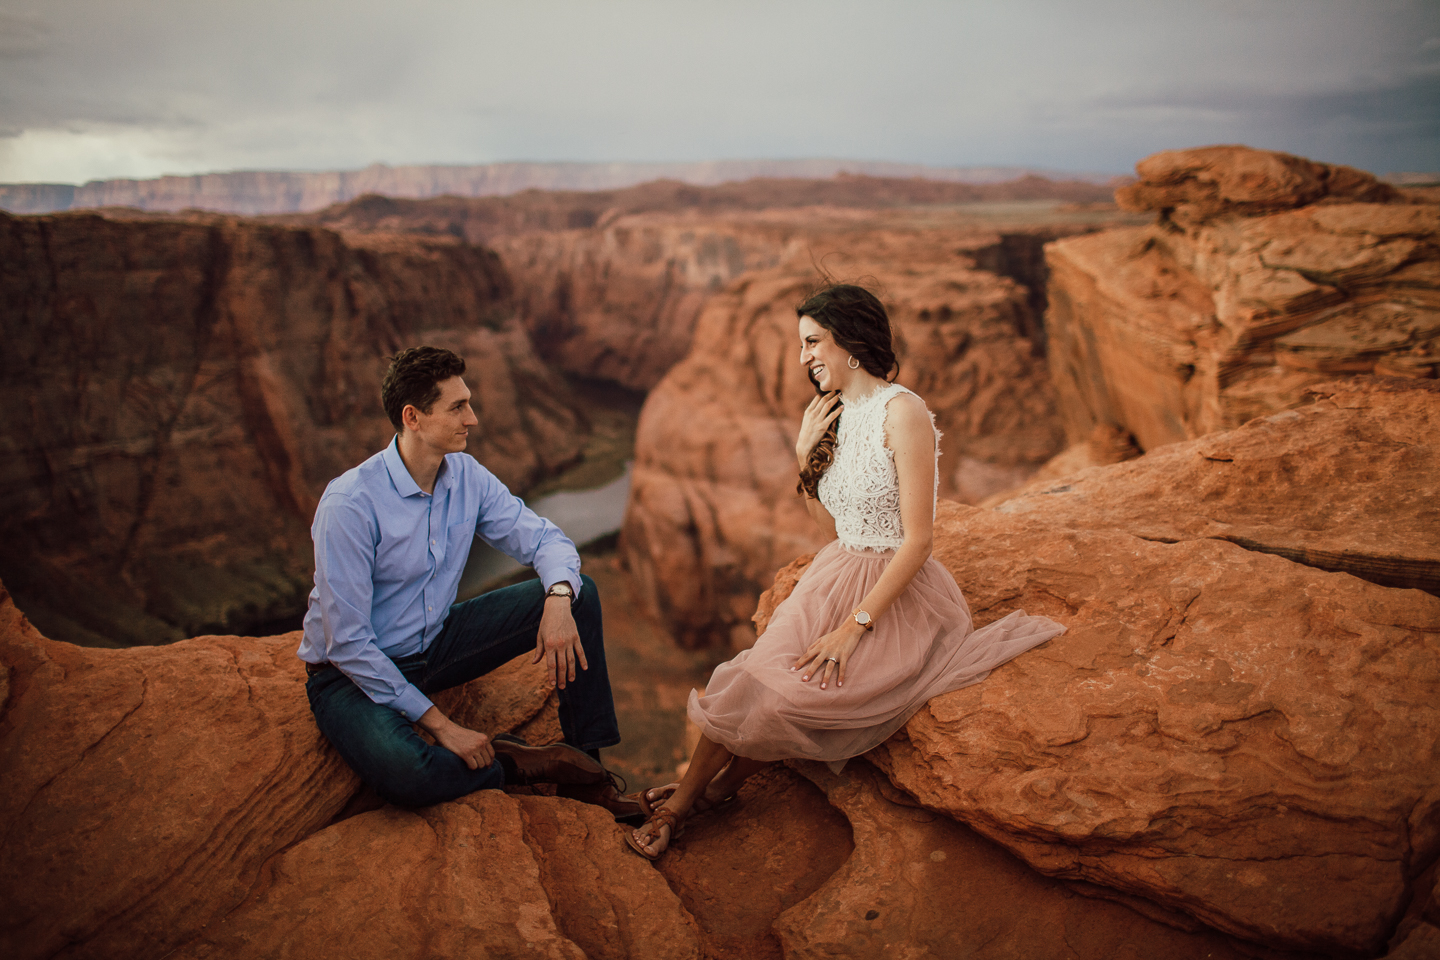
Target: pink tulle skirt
x,y
757,707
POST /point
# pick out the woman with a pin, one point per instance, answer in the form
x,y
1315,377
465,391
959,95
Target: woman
x,y
876,626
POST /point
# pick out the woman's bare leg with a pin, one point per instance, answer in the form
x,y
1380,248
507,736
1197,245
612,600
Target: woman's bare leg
x,y
721,787
729,780
709,759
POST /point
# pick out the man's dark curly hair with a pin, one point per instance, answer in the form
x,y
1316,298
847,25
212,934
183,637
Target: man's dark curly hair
x,y
414,379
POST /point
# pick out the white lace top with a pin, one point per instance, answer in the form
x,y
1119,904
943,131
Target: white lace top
x,y
860,489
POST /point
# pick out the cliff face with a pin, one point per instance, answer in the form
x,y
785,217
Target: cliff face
x,y
713,508
1263,275
620,301
610,283
182,390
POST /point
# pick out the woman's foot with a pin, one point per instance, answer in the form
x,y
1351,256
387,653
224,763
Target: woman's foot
x,y
707,801
654,837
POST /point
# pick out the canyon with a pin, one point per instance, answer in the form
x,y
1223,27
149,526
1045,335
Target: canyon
x,y
220,369
1200,433
181,390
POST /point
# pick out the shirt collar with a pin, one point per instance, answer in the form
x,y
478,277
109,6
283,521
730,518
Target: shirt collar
x,y
405,484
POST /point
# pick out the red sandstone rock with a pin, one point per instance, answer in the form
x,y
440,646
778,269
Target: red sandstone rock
x,y
145,789
1349,483
487,875
1206,182
214,375
620,301
1223,731
926,886
738,869
1265,275
713,509
610,283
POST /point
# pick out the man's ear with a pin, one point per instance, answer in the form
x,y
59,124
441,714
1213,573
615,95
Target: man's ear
x,y
410,417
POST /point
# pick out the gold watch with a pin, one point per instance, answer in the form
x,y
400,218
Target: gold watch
x,y
561,589
863,618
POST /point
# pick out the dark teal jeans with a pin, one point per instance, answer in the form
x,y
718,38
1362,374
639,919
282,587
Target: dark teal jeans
x,y
381,745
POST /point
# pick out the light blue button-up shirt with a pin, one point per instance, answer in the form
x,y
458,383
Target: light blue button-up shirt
x,y
388,559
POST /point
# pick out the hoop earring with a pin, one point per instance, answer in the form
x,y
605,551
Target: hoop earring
x,y
853,364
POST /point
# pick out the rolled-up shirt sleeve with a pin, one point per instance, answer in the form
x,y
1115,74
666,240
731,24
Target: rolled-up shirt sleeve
x,y
345,537
523,535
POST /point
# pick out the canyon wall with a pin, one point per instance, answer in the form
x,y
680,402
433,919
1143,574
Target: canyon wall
x,y
281,191
610,283
181,390
1263,275
713,508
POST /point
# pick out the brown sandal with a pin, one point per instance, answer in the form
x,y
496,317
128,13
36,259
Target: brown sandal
x,y
660,818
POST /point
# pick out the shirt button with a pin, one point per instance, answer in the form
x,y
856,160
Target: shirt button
x,y
429,608
432,543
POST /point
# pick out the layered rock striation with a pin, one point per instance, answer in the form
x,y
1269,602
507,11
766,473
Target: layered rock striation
x,y
610,282
1264,274
1228,730
713,508
181,390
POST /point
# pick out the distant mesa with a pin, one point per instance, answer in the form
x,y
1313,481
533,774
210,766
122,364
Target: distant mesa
x,y
254,192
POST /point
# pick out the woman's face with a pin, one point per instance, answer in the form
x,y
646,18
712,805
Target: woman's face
x,y
826,362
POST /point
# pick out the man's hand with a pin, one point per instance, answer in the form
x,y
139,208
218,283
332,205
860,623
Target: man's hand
x,y
474,748
558,642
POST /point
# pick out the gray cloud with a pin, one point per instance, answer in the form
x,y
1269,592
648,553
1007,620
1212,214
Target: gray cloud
x,y
92,88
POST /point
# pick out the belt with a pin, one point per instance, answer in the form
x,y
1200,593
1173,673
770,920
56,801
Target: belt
x,y
313,668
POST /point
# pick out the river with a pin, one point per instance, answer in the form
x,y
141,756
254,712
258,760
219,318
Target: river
x,y
584,515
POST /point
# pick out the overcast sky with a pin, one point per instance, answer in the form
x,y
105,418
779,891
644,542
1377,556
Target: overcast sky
x,y
93,89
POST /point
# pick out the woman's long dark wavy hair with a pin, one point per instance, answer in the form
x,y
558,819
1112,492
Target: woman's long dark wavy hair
x,y
859,325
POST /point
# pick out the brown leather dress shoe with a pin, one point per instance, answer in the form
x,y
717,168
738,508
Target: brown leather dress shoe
x,y
556,763
605,795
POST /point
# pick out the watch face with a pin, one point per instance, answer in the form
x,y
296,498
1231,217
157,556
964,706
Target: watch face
x,y
862,618
560,590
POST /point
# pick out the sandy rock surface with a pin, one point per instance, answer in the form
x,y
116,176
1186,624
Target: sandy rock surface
x,y
924,886
145,789
1264,274
1235,734
215,374
1350,482
486,875
713,509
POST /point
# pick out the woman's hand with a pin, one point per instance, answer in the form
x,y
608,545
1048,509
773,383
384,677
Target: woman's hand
x,y
821,412
827,657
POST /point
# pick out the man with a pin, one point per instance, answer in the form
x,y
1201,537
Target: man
x,y
383,631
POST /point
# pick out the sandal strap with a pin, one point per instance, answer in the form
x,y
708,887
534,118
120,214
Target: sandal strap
x,y
665,817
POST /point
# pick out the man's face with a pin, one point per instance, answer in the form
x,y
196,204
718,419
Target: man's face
x,y
446,428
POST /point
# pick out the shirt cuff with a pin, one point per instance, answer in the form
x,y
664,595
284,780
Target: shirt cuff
x,y
412,703
574,585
